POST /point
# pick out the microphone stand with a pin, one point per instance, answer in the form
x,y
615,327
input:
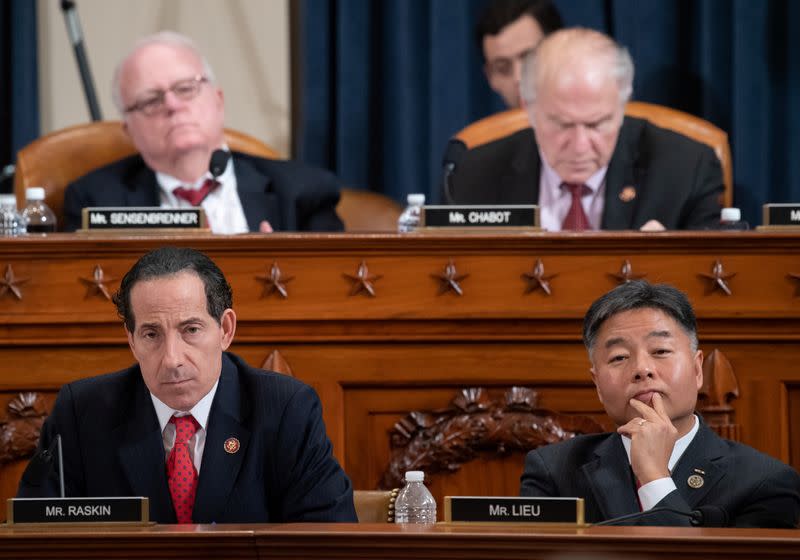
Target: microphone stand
x,y
76,38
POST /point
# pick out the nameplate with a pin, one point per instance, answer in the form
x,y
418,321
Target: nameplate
x,y
782,215
515,216
143,218
482,509
78,510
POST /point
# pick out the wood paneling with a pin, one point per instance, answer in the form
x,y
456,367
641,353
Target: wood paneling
x,y
375,359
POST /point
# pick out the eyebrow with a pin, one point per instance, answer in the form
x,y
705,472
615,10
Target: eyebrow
x,y
183,323
652,334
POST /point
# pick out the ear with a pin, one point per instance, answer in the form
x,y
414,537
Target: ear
x,y
596,386
228,324
131,343
698,368
125,127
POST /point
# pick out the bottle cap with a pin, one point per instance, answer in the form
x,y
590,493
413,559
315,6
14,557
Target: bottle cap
x,y
34,193
415,476
731,215
415,199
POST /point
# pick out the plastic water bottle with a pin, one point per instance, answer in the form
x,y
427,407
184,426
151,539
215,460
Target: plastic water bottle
x,y
11,222
409,219
414,503
731,219
38,216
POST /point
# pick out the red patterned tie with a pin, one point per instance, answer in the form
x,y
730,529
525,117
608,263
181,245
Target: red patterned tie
x,y
196,196
181,474
576,219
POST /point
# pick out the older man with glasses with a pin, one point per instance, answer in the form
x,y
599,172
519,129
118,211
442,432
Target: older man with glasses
x,y
174,111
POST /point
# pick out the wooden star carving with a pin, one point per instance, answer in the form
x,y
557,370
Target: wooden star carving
x,y
795,277
275,282
97,283
626,274
10,283
363,281
719,278
538,279
450,279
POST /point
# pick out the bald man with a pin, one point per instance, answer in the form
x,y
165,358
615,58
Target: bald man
x,y
585,164
173,111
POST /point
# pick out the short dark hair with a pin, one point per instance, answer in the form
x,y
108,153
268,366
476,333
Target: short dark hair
x,y
168,261
640,294
499,13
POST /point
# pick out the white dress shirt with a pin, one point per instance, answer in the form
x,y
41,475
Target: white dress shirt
x,y
554,202
655,490
222,206
200,411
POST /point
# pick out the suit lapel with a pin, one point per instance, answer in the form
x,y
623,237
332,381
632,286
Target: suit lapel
x,y
220,468
623,178
610,479
141,452
142,186
699,459
257,195
521,184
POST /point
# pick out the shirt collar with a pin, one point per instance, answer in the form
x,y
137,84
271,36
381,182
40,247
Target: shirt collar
x,y
200,411
169,183
677,451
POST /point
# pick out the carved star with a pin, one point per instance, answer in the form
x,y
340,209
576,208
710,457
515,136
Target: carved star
x,y
795,277
626,274
719,278
10,283
275,282
362,281
97,283
538,279
449,280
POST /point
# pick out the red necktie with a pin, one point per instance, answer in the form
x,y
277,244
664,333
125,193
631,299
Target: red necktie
x,y
576,219
181,474
196,196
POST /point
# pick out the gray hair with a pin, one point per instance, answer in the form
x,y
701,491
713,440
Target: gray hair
x,y
640,294
621,63
161,38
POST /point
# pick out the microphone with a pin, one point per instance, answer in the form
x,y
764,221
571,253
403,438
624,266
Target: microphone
x,y
452,156
219,161
703,516
41,465
75,34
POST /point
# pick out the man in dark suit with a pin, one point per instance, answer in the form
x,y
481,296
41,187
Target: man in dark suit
x,y
251,444
642,342
173,112
586,165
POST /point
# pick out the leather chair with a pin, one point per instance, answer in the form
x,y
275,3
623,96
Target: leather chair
x,y
508,122
375,506
56,159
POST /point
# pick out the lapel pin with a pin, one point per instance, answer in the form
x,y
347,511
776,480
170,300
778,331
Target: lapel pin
x,y
627,193
231,445
695,481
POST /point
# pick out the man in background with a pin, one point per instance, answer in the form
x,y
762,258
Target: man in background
x,y
585,164
647,369
507,31
207,438
174,111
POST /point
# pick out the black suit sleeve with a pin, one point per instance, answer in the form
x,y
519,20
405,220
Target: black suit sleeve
x,y
314,486
702,208
536,480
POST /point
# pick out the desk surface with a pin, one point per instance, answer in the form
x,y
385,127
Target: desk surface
x,y
321,541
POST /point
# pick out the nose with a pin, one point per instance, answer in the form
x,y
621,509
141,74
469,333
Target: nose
x,y
643,367
173,352
580,138
172,102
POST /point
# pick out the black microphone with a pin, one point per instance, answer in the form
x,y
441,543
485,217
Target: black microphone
x,y
75,34
41,465
219,161
703,516
452,156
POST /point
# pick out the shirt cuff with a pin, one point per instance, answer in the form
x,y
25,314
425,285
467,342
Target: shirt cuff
x,y
655,491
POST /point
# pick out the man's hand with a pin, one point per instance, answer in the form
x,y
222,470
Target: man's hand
x,y
652,438
653,225
264,227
